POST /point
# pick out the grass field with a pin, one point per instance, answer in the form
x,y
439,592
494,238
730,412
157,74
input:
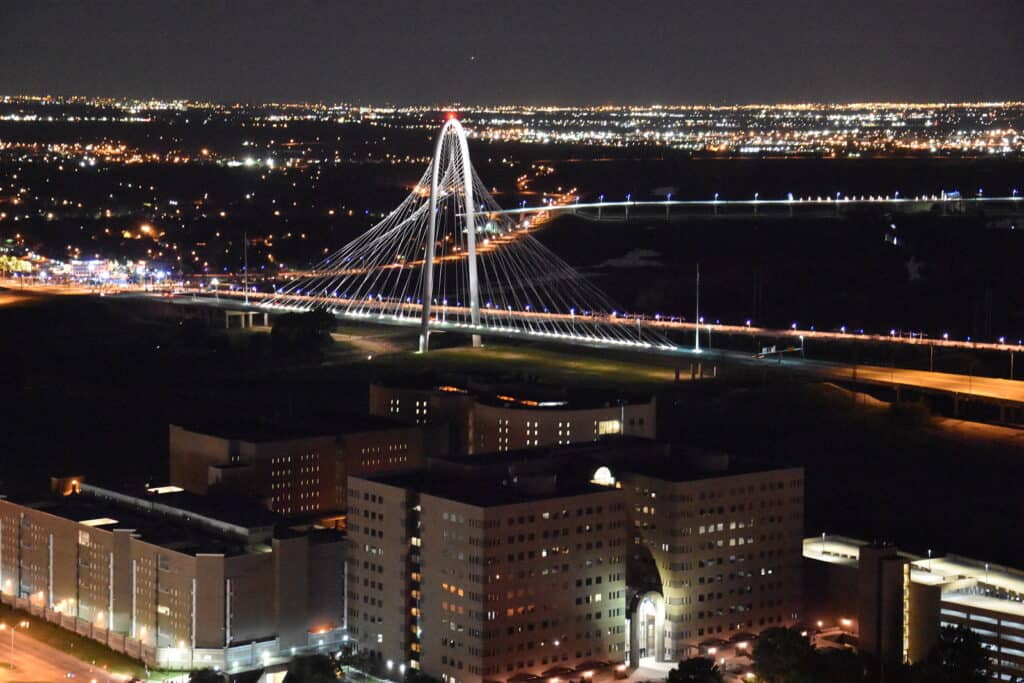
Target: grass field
x,y
91,385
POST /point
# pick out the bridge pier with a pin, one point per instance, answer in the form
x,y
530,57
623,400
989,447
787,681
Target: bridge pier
x,y
452,126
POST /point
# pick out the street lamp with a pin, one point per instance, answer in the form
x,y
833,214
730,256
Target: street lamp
x,y
23,624
215,282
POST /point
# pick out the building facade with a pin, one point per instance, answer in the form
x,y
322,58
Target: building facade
x,y
726,544
296,473
896,603
489,419
550,562
163,577
470,580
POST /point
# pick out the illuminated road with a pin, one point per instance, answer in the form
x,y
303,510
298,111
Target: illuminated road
x,y
36,661
893,202
1000,390
793,336
994,389
989,388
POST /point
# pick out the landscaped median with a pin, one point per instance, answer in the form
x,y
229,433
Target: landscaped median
x,y
80,647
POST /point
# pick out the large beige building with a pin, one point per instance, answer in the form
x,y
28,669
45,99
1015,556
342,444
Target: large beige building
x,y
549,562
472,579
725,537
896,602
174,579
485,419
298,470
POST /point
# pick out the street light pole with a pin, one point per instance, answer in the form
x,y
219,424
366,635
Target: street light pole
x,y
245,272
696,320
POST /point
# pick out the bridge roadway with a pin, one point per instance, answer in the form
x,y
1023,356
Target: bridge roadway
x,y
943,201
669,323
1003,393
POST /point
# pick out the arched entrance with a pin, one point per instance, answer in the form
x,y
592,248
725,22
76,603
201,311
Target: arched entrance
x,y
647,628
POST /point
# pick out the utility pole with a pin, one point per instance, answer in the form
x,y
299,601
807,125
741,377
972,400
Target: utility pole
x,y
245,272
696,320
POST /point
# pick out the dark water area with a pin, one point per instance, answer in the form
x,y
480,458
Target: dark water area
x,y
870,269
943,274
650,177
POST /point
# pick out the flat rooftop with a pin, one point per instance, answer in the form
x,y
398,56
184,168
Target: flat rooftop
x,y
622,455
524,395
489,479
490,491
968,582
973,602
834,550
263,431
170,517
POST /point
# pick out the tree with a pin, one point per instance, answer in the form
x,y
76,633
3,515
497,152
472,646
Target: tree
x,y
782,655
311,669
13,264
841,666
956,658
696,670
207,676
301,333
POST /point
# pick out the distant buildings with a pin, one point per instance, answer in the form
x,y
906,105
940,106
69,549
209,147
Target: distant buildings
x,y
297,470
897,602
485,419
552,562
492,535
177,580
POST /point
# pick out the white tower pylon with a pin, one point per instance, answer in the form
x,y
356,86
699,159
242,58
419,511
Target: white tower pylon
x,y
451,127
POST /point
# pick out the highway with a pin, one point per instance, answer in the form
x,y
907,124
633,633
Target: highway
x,y
893,202
992,388
796,335
989,388
36,661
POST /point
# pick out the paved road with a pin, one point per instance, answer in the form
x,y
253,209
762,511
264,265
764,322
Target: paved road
x,y
991,388
36,661
982,387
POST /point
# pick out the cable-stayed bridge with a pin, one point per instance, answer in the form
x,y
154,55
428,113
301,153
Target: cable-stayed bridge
x,y
449,258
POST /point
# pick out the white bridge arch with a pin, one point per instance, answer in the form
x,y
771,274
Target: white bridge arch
x,y
448,258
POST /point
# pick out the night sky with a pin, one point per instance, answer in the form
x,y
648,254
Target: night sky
x,y
559,52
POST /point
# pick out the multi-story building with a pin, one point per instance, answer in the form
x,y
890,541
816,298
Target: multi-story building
x,y
545,562
896,602
297,470
725,537
484,419
174,579
472,578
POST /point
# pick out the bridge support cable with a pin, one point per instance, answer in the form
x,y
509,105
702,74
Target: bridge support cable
x,y
449,258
